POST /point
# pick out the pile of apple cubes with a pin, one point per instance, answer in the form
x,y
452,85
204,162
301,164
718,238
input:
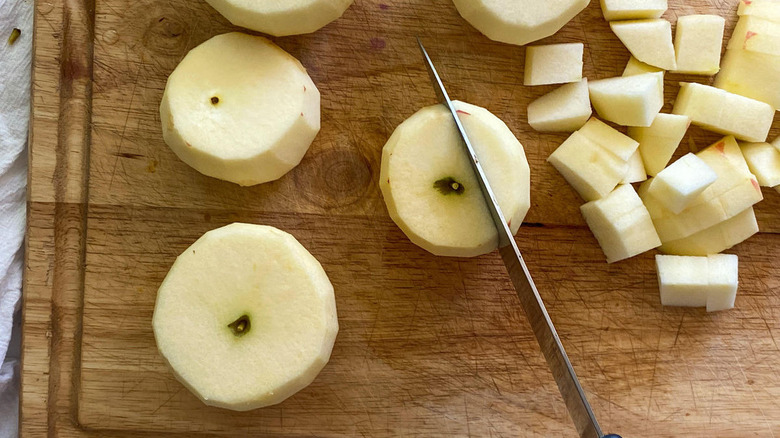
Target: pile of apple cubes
x,y
701,204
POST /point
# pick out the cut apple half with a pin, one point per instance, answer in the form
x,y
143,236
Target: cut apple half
x,y
431,191
281,18
246,317
240,109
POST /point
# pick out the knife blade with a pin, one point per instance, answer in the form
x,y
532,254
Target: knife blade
x,y
569,385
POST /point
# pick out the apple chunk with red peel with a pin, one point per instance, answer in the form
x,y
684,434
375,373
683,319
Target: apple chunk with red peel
x,y
240,109
629,100
649,41
633,9
281,18
764,161
431,191
519,21
709,282
565,109
717,238
698,43
727,113
246,317
768,9
621,224
749,27
553,64
677,186
658,141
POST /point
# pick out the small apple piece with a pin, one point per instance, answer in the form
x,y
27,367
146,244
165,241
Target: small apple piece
x,y
649,41
724,112
698,43
750,74
723,282
630,100
763,43
289,17
764,161
677,186
768,9
553,64
621,224
632,9
519,21
565,109
432,193
636,170
718,238
748,27
610,138
637,67
246,317
658,142
683,281
728,148
590,169
240,109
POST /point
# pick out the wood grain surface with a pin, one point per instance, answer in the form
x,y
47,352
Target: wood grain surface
x,y
428,346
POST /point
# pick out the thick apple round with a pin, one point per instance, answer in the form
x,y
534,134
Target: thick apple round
x,y
240,109
281,17
246,317
431,191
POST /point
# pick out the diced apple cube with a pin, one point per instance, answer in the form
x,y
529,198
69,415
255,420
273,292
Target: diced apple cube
x,y
698,43
610,138
764,161
621,224
724,112
553,64
717,238
658,142
632,9
677,186
724,280
751,74
729,148
593,171
763,43
649,41
630,100
749,26
563,110
637,67
768,9
683,281
636,170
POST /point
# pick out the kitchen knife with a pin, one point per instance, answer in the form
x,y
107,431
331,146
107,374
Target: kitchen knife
x,y
571,390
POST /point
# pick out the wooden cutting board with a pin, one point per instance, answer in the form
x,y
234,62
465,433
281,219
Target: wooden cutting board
x,y
428,346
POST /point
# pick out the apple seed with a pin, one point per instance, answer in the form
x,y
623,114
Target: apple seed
x,y
448,185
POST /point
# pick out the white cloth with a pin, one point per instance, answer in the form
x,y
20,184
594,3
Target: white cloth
x,y
15,62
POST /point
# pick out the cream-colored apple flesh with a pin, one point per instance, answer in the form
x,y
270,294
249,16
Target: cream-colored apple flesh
x,y
621,145
636,170
751,74
629,100
246,317
633,9
717,238
564,109
709,282
764,161
281,18
649,41
519,21
769,9
658,142
698,42
431,191
724,112
637,67
677,186
240,109
553,64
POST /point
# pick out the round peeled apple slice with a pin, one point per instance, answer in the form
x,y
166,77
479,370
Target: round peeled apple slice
x,y
281,17
246,317
431,191
519,21
240,109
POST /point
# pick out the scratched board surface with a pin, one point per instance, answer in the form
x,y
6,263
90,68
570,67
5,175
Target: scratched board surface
x,y
428,346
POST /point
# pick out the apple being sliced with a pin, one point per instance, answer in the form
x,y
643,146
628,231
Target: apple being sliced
x,y
609,138
637,67
281,18
764,161
553,64
519,21
717,238
589,168
636,170
630,100
724,112
246,317
709,282
241,109
565,109
621,224
432,193
649,41
698,43
677,186
632,9
658,142
768,9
